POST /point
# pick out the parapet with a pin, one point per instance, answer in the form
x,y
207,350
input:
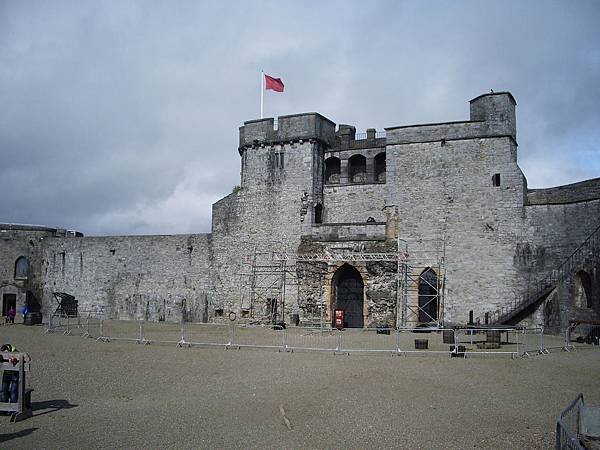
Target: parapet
x,y
582,191
16,228
295,127
491,115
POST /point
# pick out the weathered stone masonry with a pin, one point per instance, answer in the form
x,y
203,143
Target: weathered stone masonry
x,y
450,191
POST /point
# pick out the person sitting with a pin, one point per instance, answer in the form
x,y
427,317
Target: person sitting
x,y
10,378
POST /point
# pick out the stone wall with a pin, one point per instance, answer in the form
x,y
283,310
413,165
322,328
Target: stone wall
x,y
16,242
131,277
353,202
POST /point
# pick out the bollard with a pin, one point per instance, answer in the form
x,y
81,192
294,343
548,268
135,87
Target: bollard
x,y
398,341
68,331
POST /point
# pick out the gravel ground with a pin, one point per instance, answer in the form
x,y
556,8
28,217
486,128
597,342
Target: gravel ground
x,y
90,394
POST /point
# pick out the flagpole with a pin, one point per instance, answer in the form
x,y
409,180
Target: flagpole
x,y
262,93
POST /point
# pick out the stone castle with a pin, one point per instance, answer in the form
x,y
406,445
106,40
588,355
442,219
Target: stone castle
x,y
429,224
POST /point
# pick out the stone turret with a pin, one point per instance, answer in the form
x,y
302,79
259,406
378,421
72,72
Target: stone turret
x,y
497,109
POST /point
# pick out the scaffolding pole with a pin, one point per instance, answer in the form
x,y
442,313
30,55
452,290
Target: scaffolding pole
x,y
270,273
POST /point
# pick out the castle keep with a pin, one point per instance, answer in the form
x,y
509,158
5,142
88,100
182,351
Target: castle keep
x,y
420,224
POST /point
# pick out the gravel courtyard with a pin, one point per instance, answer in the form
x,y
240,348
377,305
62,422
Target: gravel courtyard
x,y
90,394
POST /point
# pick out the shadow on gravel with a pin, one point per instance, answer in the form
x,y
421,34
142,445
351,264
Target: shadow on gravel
x,y
51,406
18,434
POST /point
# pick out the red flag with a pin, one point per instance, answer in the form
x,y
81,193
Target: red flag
x,y
275,84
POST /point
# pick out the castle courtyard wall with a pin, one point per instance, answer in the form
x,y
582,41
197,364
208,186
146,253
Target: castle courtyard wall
x,y
131,277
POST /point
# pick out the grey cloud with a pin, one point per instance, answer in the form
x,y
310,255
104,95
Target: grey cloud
x,y
121,117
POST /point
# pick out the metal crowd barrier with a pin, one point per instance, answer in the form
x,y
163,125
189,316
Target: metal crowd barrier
x,y
460,342
567,426
582,335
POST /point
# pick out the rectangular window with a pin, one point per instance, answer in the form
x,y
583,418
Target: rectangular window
x,y
496,179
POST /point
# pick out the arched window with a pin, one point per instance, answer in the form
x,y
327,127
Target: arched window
x,y
380,168
583,289
21,268
357,169
332,170
428,296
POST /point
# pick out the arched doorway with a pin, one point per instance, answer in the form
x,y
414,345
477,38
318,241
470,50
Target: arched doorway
x,y
428,296
348,294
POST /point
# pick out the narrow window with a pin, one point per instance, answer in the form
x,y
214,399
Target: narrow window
x,y
21,268
319,213
496,180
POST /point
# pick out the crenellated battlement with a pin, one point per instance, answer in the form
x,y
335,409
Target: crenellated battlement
x,y
290,128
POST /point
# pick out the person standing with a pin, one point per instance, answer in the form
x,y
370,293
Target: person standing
x,y
10,316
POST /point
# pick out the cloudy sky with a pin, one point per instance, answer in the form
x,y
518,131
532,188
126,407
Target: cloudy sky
x,y
121,117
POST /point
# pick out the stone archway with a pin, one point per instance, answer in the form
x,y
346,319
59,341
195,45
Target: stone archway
x,y
348,291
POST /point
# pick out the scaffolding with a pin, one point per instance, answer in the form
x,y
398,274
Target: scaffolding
x,y
269,276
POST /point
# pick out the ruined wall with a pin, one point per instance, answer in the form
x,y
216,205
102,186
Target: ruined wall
x,y
379,278
16,242
553,233
131,277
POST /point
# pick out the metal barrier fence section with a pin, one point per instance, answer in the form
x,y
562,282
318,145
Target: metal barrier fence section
x,y
513,342
567,426
460,342
368,340
312,338
207,334
122,330
582,334
163,332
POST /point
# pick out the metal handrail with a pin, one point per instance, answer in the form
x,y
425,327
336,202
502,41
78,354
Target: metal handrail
x,y
559,274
